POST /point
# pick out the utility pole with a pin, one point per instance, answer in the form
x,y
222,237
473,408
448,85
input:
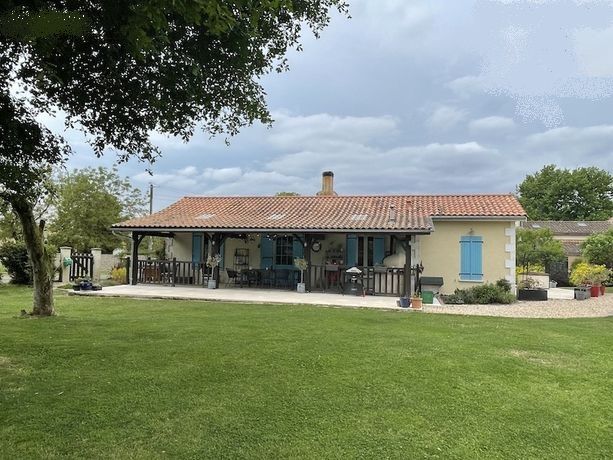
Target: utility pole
x,y
150,212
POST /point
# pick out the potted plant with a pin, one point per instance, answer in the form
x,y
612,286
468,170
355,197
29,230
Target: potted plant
x,y
585,274
600,274
213,263
302,265
416,302
528,289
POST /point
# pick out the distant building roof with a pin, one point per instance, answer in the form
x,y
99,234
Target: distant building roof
x,y
360,213
570,227
571,247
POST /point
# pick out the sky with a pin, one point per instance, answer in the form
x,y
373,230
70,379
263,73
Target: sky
x,y
411,97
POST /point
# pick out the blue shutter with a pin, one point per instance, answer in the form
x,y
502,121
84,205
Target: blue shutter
x,y
476,264
266,254
471,258
465,258
196,248
298,248
351,256
378,250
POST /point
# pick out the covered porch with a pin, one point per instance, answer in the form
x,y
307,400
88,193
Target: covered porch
x,y
265,260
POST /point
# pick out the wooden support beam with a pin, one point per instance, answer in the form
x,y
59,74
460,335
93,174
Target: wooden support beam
x,y
307,280
136,240
408,288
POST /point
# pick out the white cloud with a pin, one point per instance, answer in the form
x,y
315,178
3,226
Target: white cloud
x,y
222,174
445,118
593,51
296,132
493,123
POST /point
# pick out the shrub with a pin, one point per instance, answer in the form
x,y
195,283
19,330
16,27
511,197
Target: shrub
x,y
531,268
118,274
481,294
504,284
14,257
585,273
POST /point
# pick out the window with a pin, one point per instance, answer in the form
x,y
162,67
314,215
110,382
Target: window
x,y
365,242
471,258
284,250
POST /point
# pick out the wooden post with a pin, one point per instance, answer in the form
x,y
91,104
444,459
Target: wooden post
x,y
127,270
307,249
134,258
407,266
174,271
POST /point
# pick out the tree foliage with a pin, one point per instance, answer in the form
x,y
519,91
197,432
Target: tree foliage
x,y
88,202
14,257
120,70
598,248
562,194
537,247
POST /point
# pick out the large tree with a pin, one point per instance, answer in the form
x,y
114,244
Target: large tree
x,y
562,194
88,201
122,69
537,247
598,248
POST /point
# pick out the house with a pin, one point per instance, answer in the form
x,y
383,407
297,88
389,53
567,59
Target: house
x,y
571,234
463,239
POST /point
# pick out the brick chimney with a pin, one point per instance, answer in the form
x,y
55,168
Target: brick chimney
x,y
327,184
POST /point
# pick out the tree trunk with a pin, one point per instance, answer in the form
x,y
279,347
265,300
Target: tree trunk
x,y
42,273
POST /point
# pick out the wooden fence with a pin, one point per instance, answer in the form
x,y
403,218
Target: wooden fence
x,y
82,266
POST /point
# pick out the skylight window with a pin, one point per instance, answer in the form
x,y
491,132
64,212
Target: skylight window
x,y
359,216
581,224
205,216
276,216
536,226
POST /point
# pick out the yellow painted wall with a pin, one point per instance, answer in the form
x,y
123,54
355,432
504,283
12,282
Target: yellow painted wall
x,y
180,247
440,251
232,244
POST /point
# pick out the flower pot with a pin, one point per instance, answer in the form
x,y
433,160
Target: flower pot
x,y
212,284
300,287
595,291
404,302
76,287
582,293
532,294
416,303
603,289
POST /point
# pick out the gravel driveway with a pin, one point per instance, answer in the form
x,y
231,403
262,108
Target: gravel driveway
x,y
593,307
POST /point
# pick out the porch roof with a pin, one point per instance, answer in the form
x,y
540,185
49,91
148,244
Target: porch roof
x,y
393,213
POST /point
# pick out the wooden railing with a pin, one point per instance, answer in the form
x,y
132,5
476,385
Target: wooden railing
x,y
376,280
320,278
173,272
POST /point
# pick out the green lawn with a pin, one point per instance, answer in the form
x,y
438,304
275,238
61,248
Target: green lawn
x,y
110,378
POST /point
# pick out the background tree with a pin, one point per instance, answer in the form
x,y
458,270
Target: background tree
x,y
562,194
598,248
88,202
120,70
537,247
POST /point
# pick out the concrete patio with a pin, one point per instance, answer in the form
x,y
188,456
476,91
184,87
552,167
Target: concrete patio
x,y
260,296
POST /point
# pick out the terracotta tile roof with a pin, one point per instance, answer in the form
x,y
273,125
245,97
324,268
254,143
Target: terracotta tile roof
x,y
413,213
570,227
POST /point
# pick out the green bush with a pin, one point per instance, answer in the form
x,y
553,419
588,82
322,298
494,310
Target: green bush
x,y
504,284
14,257
482,294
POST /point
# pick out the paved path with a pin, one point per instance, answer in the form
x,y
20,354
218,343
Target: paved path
x,y
261,296
560,307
